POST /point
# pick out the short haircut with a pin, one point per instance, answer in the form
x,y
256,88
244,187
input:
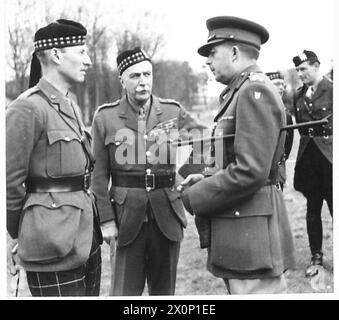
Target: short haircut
x,y
250,51
43,56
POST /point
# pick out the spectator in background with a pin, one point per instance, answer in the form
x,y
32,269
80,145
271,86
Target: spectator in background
x,y
313,168
278,80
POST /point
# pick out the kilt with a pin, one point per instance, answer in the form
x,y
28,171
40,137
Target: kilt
x,y
82,281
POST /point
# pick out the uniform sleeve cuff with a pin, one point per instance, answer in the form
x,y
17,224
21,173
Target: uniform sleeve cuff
x,y
13,218
186,202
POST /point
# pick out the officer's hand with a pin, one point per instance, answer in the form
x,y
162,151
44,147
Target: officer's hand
x,y
189,181
109,232
12,266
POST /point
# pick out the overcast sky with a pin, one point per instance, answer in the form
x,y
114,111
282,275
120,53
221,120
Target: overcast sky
x,y
293,25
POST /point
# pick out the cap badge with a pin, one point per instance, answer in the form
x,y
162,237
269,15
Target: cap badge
x,y
303,57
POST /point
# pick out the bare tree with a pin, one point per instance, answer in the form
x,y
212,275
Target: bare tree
x,y
21,33
140,35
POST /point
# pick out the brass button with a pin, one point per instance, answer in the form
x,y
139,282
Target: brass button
x,y
67,139
148,153
237,213
53,97
53,205
145,136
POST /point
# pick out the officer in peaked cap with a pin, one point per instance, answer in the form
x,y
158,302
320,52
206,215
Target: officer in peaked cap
x,y
143,212
51,212
237,203
313,168
277,79
223,29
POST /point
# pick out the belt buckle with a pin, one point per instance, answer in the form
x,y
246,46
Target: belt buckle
x,y
87,181
311,132
149,180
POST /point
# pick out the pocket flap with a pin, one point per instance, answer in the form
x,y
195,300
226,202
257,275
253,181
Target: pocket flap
x,y
57,135
259,204
114,140
119,195
172,194
55,201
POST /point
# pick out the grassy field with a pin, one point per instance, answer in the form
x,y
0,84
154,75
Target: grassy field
x,y
194,279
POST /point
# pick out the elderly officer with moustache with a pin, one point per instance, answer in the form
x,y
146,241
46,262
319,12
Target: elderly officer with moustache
x,y
142,209
313,168
278,80
50,211
246,227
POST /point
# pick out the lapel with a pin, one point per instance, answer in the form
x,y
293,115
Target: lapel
x,y
130,118
228,93
319,91
154,114
59,103
127,113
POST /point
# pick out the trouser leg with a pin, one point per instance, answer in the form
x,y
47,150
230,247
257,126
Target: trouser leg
x,y
162,261
313,222
129,277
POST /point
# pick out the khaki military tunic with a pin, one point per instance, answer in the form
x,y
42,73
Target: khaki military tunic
x,y
43,140
249,232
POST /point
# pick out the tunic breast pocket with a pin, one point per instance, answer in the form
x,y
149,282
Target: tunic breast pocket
x,y
122,150
64,154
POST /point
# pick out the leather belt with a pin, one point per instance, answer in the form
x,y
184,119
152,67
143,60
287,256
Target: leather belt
x,y
148,181
316,132
64,184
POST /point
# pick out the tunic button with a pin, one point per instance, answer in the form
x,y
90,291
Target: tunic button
x,y
53,205
237,213
145,136
53,97
67,139
324,109
148,153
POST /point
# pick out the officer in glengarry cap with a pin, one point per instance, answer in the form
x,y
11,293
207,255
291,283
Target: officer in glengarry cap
x,y
51,212
239,209
278,80
142,211
313,168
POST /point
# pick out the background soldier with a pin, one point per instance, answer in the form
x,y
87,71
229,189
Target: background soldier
x,y
50,211
250,241
278,80
313,169
148,216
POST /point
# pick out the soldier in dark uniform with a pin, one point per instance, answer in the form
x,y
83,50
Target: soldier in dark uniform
x,y
241,212
313,169
278,80
142,209
50,210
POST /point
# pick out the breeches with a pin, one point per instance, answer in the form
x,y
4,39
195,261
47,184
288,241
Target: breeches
x,y
82,281
152,257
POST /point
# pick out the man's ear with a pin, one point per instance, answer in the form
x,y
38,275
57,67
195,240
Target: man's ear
x,y
235,52
122,82
55,55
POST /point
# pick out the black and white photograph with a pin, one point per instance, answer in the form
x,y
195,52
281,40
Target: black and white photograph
x,y
168,149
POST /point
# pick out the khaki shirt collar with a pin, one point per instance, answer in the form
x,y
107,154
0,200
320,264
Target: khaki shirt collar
x,y
55,97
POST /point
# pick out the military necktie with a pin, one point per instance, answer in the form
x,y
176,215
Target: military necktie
x,y
142,120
